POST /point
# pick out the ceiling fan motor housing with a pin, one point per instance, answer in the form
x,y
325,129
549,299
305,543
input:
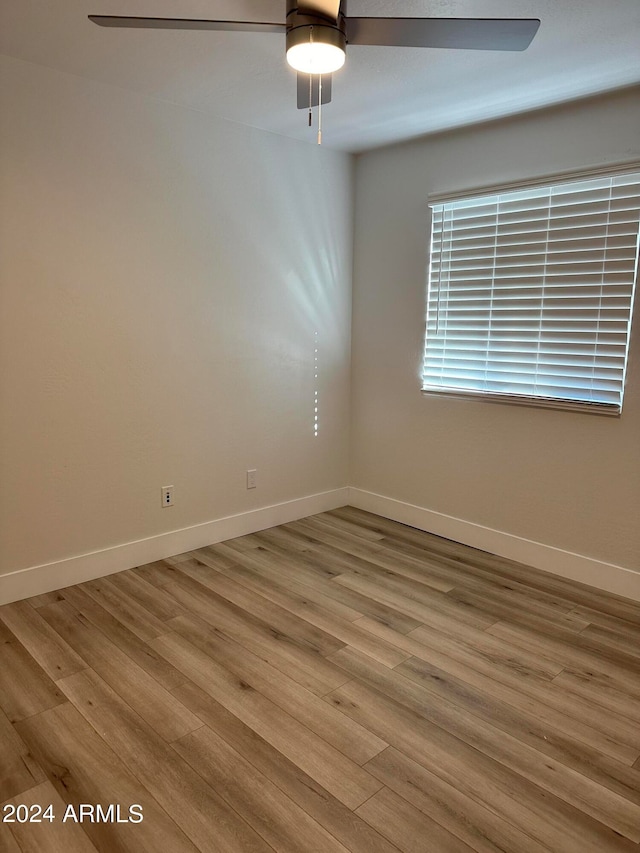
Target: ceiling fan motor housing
x,y
305,24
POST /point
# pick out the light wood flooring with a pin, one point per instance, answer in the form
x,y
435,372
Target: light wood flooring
x,y
341,683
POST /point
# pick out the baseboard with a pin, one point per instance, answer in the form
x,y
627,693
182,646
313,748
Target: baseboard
x,y
51,576
566,564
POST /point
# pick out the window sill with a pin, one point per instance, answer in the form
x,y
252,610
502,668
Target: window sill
x,y
606,409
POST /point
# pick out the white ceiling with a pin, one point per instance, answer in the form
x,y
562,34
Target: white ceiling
x,y
382,95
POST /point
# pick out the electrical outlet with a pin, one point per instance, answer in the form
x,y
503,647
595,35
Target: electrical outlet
x,y
251,478
167,496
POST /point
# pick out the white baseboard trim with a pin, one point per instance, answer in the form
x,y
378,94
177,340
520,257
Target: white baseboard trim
x,y
51,576
566,564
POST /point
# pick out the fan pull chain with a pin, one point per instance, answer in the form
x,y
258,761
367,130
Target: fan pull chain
x,y
311,86
319,97
320,109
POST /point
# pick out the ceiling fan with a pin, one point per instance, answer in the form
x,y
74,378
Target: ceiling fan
x,y
318,32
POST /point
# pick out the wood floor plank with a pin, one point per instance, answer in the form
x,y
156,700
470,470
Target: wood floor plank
x,y
410,829
580,594
277,648
133,615
233,584
490,648
449,625
419,563
202,814
40,640
295,577
599,689
610,733
474,575
332,560
580,651
377,523
406,596
349,527
334,563
18,769
45,598
316,528
273,815
123,638
496,597
527,726
84,769
154,704
244,543
214,558
342,777
307,608
507,668
605,789
480,828
352,740
340,821
622,643
378,557
297,562
154,599
8,843
25,688
512,609
49,836
586,647
290,541
304,534
159,573
613,623
494,785
297,604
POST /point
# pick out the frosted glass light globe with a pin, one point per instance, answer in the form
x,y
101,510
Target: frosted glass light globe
x,y
316,57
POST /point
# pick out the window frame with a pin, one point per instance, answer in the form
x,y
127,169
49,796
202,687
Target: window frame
x,y
509,398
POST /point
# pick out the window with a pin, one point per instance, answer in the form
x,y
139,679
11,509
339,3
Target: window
x,y
531,293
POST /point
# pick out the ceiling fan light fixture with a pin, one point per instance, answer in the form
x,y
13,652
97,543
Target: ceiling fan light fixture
x,y
316,58
315,48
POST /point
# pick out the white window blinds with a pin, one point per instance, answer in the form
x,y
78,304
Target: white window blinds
x,y
531,293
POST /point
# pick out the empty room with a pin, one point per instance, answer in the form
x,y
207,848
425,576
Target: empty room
x,y
319,426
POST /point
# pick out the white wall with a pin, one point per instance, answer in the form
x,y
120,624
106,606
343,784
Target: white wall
x,y
162,278
571,481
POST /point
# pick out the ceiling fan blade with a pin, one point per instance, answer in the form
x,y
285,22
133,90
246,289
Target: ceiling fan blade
x,y
464,33
303,90
186,24
328,8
